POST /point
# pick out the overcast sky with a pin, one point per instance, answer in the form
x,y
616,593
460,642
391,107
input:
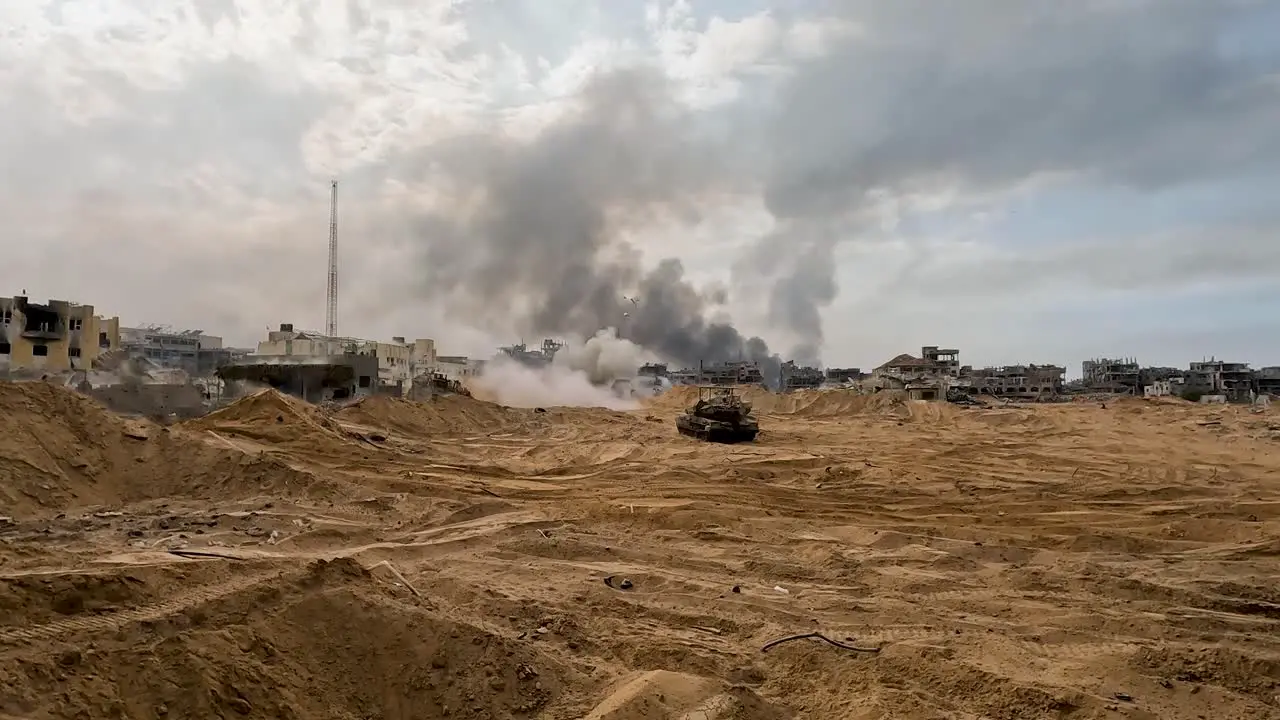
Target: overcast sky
x,y
1027,181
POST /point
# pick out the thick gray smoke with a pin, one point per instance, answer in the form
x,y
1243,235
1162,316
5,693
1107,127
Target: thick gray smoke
x,y
603,358
536,243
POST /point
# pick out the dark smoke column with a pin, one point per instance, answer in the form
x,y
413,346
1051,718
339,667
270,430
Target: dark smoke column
x,y
540,251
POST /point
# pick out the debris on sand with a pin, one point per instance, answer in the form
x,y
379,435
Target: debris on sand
x,y
273,560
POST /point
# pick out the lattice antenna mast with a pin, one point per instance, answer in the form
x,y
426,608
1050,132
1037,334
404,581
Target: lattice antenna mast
x,y
331,295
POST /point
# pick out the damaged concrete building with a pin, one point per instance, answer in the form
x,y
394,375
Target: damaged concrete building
x,y
1020,382
1113,375
1233,381
725,373
653,370
947,360
314,378
534,358
56,336
459,368
398,361
840,376
928,377
796,377
191,351
1267,381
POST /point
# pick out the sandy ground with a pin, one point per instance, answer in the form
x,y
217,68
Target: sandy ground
x,y
462,560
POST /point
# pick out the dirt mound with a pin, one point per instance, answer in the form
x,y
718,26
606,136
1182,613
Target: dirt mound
x,y
818,404
270,416
665,695
326,641
444,414
60,449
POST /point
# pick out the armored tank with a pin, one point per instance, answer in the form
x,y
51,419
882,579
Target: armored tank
x,y
720,415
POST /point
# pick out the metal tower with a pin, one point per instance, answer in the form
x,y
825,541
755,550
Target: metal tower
x,y
331,296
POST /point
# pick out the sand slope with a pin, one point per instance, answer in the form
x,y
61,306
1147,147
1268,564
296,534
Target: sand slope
x,y
442,415
1063,561
60,450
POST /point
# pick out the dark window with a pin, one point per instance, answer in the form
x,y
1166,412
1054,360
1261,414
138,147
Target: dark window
x,y
40,350
73,352
364,381
103,341
4,348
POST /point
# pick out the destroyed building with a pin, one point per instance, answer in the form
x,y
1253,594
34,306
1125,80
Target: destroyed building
x,y
459,368
730,373
1149,375
314,378
794,377
1233,381
1266,381
722,373
844,375
1113,375
653,370
947,360
56,336
540,357
924,378
398,361
1020,382
191,351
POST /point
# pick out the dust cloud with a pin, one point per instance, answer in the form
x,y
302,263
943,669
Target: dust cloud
x,y
580,376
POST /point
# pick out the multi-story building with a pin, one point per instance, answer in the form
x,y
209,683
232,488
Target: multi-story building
x,y
1215,377
59,335
190,350
1023,382
1150,375
1117,375
947,360
533,358
731,373
1267,381
796,377
399,361
844,375
458,368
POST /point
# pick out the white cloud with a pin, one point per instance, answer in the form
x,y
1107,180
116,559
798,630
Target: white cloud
x,y
189,144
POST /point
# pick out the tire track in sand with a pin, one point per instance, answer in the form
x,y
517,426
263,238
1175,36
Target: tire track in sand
x,y
98,624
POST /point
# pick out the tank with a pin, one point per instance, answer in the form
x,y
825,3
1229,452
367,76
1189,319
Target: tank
x,y
720,415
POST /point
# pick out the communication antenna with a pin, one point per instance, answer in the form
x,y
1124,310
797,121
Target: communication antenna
x,y
331,294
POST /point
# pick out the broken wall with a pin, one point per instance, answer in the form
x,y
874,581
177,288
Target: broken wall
x,y
156,401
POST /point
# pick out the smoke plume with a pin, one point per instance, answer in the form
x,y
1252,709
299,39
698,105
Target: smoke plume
x,y
535,243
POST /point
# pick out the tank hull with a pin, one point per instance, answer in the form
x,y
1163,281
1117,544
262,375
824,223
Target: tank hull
x,y
716,432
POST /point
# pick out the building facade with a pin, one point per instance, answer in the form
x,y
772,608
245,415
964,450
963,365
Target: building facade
x,y
55,336
399,361
189,350
1118,375
1267,381
1022,382
1215,377
458,368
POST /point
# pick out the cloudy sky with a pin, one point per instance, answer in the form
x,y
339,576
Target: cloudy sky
x,y
1028,181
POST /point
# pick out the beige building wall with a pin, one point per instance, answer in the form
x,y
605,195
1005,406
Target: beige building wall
x,y
424,354
53,336
399,361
